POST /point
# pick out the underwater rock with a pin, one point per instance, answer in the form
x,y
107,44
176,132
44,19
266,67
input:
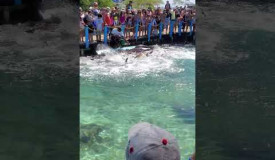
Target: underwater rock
x,y
89,133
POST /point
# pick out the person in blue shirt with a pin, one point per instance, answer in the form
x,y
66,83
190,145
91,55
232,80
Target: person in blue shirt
x,y
129,7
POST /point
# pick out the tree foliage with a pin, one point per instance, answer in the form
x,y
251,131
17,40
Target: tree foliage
x,y
144,3
85,4
179,2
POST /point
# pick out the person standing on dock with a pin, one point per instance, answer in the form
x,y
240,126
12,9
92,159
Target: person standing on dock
x,y
115,17
99,26
167,21
188,19
129,23
88,20
129,7
167,6
95,5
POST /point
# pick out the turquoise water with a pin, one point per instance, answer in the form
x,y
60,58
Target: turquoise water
x,y
114,95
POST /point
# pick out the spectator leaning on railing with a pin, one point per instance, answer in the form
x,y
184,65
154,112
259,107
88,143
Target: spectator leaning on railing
x,y
96,18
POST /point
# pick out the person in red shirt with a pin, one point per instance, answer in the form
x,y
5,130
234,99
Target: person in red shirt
x,y
107,19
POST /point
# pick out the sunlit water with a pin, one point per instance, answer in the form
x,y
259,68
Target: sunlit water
x,y
114,95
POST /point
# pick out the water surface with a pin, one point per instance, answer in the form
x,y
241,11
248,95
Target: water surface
x,y
114,95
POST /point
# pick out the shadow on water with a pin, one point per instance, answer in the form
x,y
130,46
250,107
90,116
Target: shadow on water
x,y
188,115
36,114
235,99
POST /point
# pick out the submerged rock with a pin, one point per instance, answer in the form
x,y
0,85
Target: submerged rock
x,y
89,133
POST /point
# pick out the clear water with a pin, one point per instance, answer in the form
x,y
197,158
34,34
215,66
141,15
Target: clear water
x,y
114,95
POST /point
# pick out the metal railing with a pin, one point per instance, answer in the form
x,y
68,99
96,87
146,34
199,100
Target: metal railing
x,y
135,30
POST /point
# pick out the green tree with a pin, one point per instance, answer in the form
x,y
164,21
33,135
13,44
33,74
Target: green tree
x,y
85,4
140,4
179,2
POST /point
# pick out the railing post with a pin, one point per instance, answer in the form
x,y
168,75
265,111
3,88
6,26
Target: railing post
x,y
136,33
149,31
191,27
171,28
180,27
105,34
87,43
160,30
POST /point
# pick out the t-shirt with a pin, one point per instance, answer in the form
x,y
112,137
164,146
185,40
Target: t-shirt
x,y
122,19
158,20
168,15
129,6
115,15
81,25
167,6
117,33
108,20
87,19
129,21
173,15
99,23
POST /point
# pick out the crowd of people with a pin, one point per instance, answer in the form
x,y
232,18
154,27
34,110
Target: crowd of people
x,y
125,19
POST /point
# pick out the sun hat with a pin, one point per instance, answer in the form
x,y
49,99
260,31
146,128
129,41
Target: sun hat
x,y
150,142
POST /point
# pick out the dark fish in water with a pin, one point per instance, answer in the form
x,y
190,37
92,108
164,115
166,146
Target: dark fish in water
x,y
126,60
188,115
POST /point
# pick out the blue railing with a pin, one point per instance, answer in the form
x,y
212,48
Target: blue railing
x,y
136,31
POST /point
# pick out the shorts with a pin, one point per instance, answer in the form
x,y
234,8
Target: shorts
x,y
116,23
98,32
167,22
91,28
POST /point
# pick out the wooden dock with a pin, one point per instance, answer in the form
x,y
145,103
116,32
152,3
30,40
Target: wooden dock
x,y
185,38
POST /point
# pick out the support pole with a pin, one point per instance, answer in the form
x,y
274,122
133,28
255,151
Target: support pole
x,y
136,33
160,30
105,34
171,28
149,31
87,43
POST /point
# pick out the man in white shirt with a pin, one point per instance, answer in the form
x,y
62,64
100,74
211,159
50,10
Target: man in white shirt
x,y
118,32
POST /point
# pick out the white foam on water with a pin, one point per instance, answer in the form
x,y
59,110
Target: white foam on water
x,y
162,59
